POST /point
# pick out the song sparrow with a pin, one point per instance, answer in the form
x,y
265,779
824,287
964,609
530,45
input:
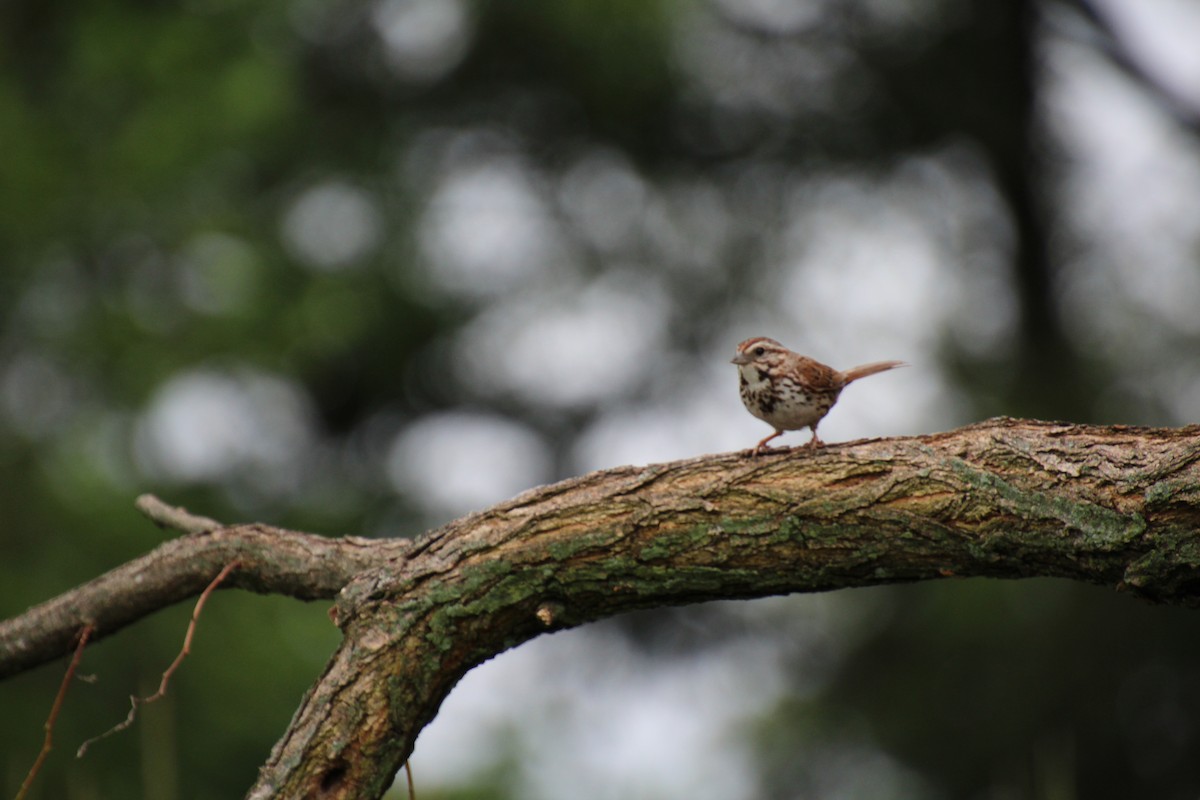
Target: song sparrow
x,y
789,391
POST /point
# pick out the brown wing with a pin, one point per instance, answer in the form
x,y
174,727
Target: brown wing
x,y
821,378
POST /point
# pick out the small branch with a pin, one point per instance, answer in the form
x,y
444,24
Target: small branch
x,y
134,700
191,631
273,561
174,517
48,742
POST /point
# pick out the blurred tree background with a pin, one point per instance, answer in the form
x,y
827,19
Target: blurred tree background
x,y
361,267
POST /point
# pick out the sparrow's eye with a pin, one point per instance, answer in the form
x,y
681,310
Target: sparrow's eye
x,y
758,351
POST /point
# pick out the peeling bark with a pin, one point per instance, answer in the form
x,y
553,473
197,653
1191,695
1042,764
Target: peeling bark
x,y
1005,498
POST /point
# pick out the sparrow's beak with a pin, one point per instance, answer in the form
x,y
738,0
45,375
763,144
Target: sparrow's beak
x,y
739,359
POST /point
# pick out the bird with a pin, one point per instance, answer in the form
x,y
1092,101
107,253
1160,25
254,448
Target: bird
x,y
789,391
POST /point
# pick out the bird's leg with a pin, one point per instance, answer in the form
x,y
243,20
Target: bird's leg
x,y
761,447
815,441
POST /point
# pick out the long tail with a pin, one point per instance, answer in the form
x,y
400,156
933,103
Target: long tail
x,y
854,373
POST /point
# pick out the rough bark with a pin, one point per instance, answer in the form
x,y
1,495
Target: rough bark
x,y
1005,499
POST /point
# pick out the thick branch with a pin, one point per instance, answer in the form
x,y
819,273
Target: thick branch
x,y
1006,498
271,561
1011,499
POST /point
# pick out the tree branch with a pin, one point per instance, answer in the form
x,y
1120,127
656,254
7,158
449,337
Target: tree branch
x,y
272,561
1115,506
1006,498
176,517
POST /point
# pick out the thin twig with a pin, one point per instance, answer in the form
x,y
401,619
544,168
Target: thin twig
x,y
176,517
48,742
412,792
134,700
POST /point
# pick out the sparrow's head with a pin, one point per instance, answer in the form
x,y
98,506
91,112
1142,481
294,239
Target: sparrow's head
x,y
759,350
